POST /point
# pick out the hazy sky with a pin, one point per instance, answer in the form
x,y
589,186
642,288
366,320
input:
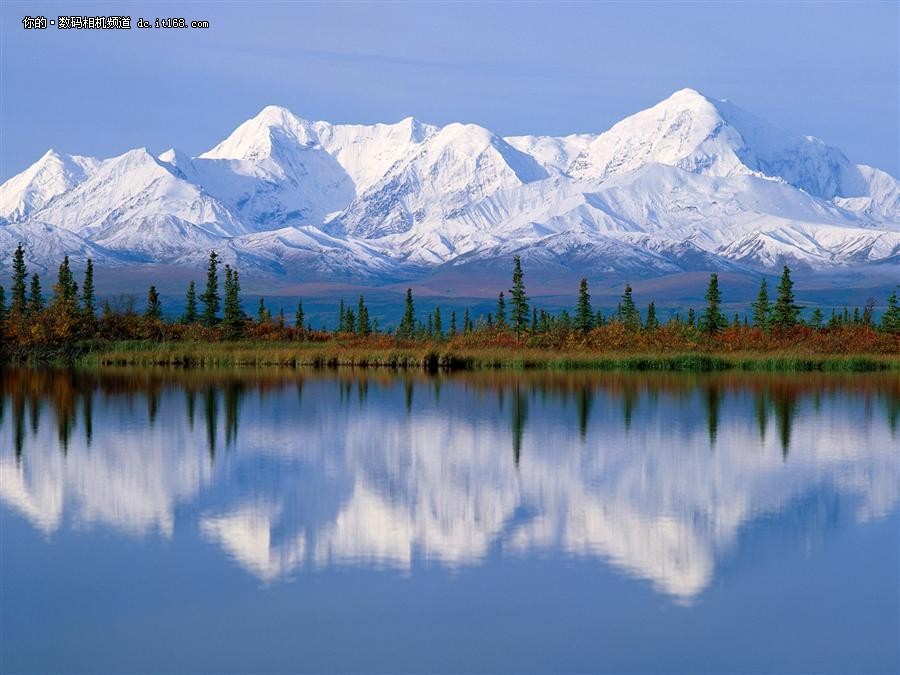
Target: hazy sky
x,y
830,70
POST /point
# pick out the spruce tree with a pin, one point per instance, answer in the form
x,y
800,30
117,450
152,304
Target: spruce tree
x,y
233,312
599,321
262,314
438,323
816,319
628,313
17,305
691,319
584,314
452,322
154,306
363,327
210,298
66,290
890,320
3,310
712,320
407,327
762,309
190,307
467,323
281,317
868,315
501,312
88,299
342,319
534,320
651,323
786,312
518,299
35,297
298,319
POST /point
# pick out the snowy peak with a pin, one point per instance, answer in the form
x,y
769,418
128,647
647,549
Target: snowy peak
x,y
716,138
260,137
34,188
451,171
130,190
689,183
368,152
685,131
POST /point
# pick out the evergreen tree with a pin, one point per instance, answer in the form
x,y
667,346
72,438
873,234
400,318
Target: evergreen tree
x,y
233,312
735,321
856,318
363,327
66,290
262,314
35,297
712,320
816,318
154,306
518,299
599,321
407,326
869,312
281,317
429,330
210,298
890,320
651,323
298,319
467,323
438,323
762,309
786,312
501,312
628,313
534,319
545,321
18,306
88,299
190,307
584,314
3,310
342,319
452,321
691,319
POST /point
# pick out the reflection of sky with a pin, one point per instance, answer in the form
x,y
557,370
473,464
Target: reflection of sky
x,y
663,486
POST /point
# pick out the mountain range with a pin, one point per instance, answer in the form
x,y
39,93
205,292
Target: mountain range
x,y
690,184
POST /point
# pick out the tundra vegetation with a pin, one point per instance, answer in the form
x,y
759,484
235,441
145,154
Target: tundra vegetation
x,y
73,325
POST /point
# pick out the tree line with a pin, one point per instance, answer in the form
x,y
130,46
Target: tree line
x,y
72,313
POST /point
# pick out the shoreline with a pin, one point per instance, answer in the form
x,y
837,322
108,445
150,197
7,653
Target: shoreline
x,y
449,357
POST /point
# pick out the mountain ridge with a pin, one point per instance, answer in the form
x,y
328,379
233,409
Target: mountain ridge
x,y
690,183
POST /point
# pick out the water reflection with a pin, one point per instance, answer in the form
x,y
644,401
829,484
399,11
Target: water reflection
x,y
661,476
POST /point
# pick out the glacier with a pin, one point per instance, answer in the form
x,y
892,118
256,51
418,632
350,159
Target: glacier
x,y
690,184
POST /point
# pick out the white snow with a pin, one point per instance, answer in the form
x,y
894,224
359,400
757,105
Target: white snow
x,y
691,182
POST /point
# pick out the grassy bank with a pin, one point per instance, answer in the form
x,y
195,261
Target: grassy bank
x,y
444,356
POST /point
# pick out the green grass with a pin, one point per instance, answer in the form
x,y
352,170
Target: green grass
x,y
434,357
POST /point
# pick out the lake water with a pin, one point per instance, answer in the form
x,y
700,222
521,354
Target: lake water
x,y
172,521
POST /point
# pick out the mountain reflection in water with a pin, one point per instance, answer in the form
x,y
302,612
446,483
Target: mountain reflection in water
x,y
662,476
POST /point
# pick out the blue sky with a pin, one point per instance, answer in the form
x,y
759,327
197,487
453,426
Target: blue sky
x,y
826,69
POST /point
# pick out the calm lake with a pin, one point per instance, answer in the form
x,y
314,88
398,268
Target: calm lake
x,y
173,521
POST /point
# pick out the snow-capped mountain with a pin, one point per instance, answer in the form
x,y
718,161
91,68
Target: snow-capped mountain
x,y
691,183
